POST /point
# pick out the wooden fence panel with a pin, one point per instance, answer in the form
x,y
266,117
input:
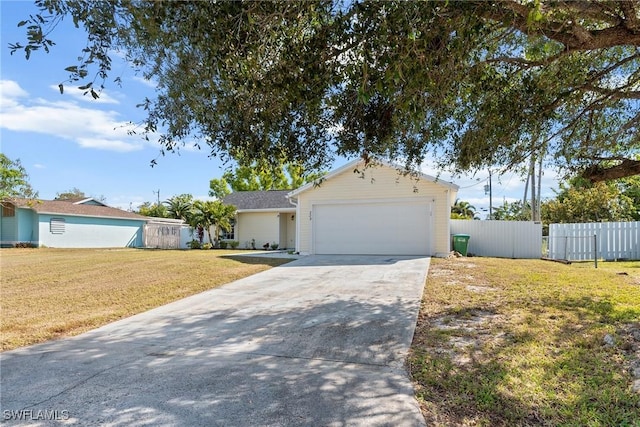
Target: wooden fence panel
x,y
162,236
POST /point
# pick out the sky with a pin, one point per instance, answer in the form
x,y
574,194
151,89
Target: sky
x,y
70,140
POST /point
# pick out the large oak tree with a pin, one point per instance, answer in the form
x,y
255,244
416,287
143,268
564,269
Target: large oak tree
x,y
470,83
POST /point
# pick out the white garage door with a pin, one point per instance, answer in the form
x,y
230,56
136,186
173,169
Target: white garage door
x,y
373,228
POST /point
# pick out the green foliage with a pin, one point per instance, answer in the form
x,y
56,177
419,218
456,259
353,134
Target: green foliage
x,y
219,188
153,210
208,214
74,193
179,207
195,244
474,83
463,210
581,201
14,180
234,244
513,211
207,246
223,244
630,188
260,175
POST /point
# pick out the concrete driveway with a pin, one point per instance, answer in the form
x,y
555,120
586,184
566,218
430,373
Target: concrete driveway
x,y
320,341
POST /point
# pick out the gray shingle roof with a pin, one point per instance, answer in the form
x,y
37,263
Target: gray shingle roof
x,y
248,200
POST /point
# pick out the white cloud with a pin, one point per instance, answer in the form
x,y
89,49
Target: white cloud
x,y
108,144
10,93
10,89
146,82
88,127
39,166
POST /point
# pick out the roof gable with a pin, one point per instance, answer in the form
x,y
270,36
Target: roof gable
x,y
349,167
90,201
259,200
81,201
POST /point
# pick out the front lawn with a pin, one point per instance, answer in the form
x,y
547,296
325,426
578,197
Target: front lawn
x,y
504,342
51,293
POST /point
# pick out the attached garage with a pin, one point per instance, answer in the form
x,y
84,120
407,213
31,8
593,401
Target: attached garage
x,y
393,227
374,211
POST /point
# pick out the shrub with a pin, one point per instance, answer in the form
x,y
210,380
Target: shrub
x,y
25,245
234,244
194,244
223,245
274,246
207,246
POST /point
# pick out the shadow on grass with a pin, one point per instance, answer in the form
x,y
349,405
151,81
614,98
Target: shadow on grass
x,y
258,260
543,369
598,310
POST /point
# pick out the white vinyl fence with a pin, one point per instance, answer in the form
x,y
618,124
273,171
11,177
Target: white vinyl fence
x,y
502,239
597,240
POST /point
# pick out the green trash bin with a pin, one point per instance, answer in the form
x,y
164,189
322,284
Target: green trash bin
x,y
460,243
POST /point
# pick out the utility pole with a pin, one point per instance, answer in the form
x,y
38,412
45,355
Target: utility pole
x,y
488,190
158,193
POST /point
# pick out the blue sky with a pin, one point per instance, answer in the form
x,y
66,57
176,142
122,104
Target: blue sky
x,y
70,140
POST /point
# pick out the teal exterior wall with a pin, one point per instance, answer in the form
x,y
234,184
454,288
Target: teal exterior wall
x,y
90,232
8,228
22,227
27,225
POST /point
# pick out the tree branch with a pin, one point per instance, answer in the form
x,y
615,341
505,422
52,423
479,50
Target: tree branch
x,y
616,93
624,169
571,34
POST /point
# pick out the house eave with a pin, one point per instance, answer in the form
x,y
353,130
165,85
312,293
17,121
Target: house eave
x,y
355,162
267,210
87,216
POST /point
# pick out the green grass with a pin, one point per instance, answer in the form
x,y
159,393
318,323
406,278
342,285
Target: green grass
x,y
52,293
524,344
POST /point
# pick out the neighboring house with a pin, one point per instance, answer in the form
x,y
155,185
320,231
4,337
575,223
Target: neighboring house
x,y
77,223
262,217
375,212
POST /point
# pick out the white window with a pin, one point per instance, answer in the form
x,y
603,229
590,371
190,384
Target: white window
x,y
228,235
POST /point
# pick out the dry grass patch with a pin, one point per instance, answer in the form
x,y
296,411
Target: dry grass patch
x,y
51,293
520,342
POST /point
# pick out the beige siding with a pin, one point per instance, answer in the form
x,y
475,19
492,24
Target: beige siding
x,y
377,183
264,227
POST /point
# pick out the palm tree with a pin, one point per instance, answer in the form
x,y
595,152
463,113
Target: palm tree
x,y
179,207
223,215
207,214
463,210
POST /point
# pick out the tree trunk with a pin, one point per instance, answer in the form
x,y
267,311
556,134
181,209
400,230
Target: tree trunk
x,y
539,200
532,171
